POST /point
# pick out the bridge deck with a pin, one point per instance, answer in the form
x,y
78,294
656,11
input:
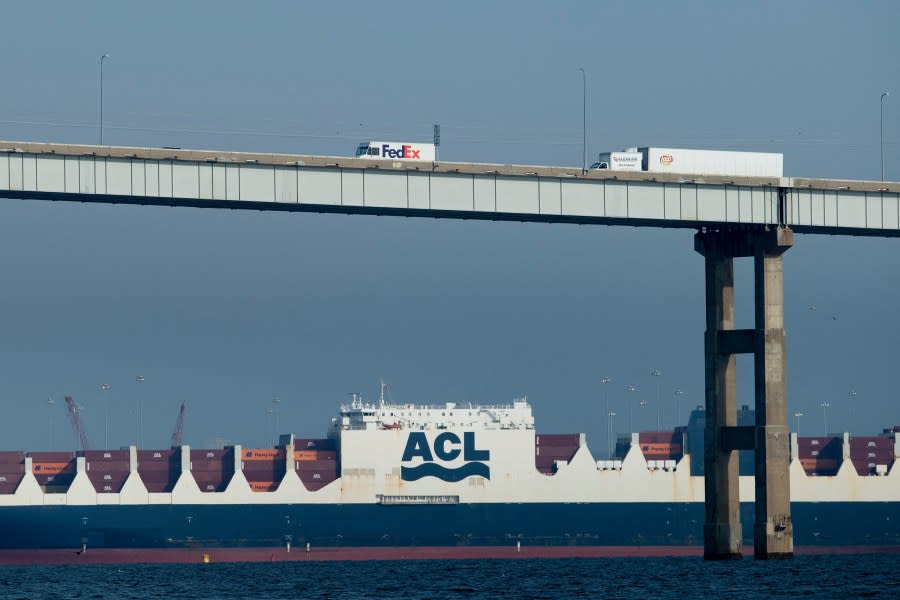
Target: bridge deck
x,y
240,180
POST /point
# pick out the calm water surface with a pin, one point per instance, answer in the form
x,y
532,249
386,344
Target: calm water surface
x,y
853,576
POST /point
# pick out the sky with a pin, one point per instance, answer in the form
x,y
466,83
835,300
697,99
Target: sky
x,y
242,315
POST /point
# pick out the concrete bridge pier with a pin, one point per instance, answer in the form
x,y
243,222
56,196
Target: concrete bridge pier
x,y
769,437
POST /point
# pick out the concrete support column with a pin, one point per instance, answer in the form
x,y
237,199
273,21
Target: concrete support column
x,y
722,527
773,533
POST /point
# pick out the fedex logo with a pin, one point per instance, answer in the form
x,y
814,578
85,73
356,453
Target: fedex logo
x,y
404,151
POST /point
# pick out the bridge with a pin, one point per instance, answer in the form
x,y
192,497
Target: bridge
x,y
734,217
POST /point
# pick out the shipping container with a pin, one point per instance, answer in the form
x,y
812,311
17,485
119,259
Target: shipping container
x,y
263,486
9,482
108,465
50,457
11,457
212,482
106,455
212,465
823,467
557,439
53,468
305,455
156,456
314,444
263,454
315,465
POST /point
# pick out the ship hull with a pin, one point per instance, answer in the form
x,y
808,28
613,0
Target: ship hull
x,y
832,524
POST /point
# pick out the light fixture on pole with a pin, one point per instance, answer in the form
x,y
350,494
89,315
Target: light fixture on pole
x,y
797,416
825,406
101,97
883,96
583,120
104,387
139,379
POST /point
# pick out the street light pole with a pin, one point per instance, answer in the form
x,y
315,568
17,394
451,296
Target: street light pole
x,y
883,95
797,415
101,97
139,379
275,402
678,394
603,382
630,388
609,428
104,387
850,395
825,406
584,120
657,374
50,403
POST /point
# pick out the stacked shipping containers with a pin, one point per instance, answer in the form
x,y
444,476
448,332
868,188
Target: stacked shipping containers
x,y
212,469
159,469
820,455
866,453
107,469
549,448
264,468
12,470
315,461
662,445
54,471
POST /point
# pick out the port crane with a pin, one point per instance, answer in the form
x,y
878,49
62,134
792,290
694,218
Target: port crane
x,y
75,420
179,427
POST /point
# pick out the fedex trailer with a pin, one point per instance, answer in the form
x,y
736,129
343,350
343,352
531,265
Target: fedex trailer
x,y
396,151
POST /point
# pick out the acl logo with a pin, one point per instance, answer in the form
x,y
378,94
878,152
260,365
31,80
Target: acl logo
x,y
446,448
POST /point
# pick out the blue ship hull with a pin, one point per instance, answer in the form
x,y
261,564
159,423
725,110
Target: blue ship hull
x,y
628,524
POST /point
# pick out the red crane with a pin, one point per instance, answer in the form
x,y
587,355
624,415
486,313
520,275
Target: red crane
x,y
76,423
179,426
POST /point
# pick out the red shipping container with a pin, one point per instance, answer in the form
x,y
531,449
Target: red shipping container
x,y
51,456
11,457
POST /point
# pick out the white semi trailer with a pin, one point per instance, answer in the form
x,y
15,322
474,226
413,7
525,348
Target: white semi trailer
x,y
693,162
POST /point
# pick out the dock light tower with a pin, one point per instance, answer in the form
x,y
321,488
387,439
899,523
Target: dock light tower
x,y
584,120
605,380
883,96
140,379
101,96
825,406
610,417
104,389
797,416
678,394
630,388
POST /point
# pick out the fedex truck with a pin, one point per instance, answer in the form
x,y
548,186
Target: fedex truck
x,y
396,151
694,162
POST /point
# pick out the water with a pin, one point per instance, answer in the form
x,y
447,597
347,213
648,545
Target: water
x,y
847,576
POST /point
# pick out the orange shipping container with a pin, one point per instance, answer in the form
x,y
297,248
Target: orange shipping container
x,y
315,455
263,486
263,454
52,468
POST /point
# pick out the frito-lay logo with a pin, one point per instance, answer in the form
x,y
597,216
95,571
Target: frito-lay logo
x,y
666,160
447,447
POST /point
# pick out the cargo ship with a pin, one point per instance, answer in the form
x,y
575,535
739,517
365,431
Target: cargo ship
x,y
404,475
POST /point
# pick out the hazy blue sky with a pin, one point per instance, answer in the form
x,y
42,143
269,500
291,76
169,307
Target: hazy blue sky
x,y
228,310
